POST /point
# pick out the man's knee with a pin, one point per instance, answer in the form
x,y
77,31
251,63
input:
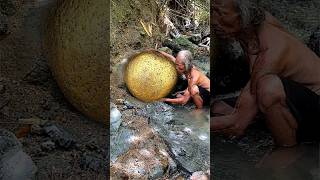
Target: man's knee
x,y
270,92
194,91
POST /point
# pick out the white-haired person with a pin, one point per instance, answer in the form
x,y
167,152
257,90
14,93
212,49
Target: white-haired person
x,y
198,89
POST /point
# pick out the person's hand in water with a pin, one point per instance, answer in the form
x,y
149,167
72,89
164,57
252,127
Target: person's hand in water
x,y
227,125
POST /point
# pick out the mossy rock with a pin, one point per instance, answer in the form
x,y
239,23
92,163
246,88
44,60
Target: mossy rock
x,y
78,51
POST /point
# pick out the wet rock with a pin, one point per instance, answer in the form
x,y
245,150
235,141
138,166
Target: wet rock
x,y
120,143
199,175
115,118
172,166
60,136
195,38
48,146
91,162
128,105
149,162
156,172
178,44
172,45
314,41
185,44
8,7
180,152
185,134
14,163
8,142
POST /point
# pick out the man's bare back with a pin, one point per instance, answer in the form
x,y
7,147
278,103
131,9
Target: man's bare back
x,y
285,56
199,79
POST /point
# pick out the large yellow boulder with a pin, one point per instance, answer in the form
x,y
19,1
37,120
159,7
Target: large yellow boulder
x,y
78,51
150,76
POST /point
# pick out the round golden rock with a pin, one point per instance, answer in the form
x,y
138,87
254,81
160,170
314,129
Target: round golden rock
x,y
78,54
150,76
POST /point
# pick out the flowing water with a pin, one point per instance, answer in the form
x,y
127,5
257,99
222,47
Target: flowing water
x,y
185,131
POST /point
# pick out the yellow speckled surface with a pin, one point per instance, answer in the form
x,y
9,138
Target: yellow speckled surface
x,y
150,76
78,50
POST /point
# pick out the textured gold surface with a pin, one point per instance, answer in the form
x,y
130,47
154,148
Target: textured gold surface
x,y
78,53
150,76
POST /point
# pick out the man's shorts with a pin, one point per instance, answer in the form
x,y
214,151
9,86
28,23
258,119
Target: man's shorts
x,y
304,104
205,95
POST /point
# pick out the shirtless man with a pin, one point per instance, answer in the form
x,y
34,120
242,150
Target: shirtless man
x,y
198,84
285,76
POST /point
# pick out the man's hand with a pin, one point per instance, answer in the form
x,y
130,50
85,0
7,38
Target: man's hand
x,y
227,125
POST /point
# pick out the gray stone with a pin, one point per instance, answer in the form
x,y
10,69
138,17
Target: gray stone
x,y
48,146
120,143
115,118
199,175
172,166
128,105
14,163
156,172
60,136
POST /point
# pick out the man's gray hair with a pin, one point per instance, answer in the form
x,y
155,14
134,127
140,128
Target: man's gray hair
x,y
251,16
187,59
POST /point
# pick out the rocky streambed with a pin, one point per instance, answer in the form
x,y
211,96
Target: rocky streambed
x,y
157,140
160,140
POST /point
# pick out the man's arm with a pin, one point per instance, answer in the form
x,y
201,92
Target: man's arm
x,y
173,59
192,81
236,122
181,99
